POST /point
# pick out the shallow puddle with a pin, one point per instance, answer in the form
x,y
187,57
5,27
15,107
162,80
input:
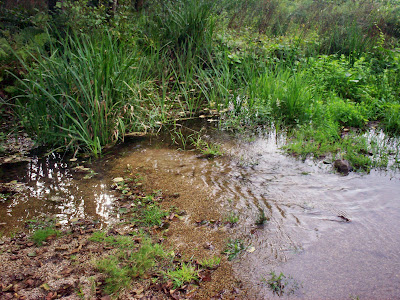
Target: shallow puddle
x,y
52,188
336,236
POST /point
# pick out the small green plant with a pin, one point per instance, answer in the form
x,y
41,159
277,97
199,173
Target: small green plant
x,y
261,218
276,283
153,215
185,274
178,137
124,266
4,197
234,248
210,263
207,149
119,241
41,235
117,276
79,292
280,284
232,218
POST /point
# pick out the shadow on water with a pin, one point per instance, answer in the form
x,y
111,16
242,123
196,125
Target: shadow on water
x,y
336,235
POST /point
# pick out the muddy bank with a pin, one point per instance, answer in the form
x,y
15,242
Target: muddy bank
x,y
65,266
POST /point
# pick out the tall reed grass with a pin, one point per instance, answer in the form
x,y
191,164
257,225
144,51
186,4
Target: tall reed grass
x,y
85,92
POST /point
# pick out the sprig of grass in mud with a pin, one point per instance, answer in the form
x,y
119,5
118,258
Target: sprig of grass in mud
x,y
261,218
234,248
231,218
280,284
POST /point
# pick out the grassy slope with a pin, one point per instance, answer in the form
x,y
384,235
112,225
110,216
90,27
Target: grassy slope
x,y
320,69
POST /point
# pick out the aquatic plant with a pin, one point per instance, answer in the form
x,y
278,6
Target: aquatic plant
x,y
280,284
231,218
234,248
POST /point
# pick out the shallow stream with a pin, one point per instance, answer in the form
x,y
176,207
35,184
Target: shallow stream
x,y
336,236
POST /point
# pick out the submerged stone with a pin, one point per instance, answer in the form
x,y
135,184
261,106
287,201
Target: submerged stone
x,y
342,166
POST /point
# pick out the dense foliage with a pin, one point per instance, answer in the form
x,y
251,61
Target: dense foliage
x,y
324,70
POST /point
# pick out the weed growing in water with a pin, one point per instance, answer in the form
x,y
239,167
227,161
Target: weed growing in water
x,y
261,219
185,274
234,248
232,218
207,149
280,284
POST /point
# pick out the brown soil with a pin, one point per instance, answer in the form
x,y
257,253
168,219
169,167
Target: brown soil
x,y
64,266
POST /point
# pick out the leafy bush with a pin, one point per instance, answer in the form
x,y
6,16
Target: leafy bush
x,y
346,113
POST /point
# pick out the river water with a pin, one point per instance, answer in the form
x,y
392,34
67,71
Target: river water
x,y
332,236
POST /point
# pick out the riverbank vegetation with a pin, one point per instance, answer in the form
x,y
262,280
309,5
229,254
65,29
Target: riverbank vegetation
x,y
325,72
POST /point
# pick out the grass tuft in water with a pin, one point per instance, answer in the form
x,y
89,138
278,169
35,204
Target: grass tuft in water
x,y
234,248
281,284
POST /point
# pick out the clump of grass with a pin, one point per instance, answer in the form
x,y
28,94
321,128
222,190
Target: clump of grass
x,y
234,248
117,277
153,215
210,263
261,218
149,215
122,242
82,96
125,266
41,235
206,148
232,218
185,274
183,27
280,284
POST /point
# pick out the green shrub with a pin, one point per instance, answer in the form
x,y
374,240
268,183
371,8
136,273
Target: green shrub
x,y
346,113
